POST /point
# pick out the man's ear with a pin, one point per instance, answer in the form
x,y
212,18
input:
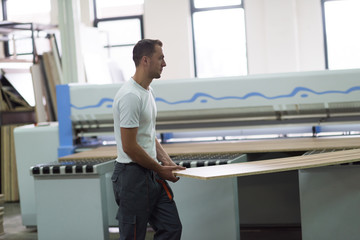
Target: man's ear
x,y
145,60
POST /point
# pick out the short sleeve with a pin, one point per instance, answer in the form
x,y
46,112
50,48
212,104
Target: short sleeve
x,y
129,107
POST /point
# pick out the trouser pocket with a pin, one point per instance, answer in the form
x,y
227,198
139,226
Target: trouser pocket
x,y
130,183
116,179
127,226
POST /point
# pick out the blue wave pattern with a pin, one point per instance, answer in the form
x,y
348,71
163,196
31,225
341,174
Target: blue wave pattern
x,y
296,90
303,90
99,104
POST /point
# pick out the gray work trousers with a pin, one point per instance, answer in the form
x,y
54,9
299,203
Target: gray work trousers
x,y
144,198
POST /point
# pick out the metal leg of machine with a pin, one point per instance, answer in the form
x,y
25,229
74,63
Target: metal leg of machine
x,y
208,209
329,199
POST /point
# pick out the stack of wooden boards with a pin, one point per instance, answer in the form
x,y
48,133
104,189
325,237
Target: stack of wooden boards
x,y
15,110
344,150
273,165
349,145
46,74
9,180
263,146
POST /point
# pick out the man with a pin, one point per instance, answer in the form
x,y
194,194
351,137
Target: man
x,y
140,190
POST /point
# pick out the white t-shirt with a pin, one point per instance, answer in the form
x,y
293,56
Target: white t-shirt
x,y
134,107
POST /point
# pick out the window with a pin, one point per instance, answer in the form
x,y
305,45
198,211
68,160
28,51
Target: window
x,y
342,33
31,16
37,11
118,8
121,24
219,38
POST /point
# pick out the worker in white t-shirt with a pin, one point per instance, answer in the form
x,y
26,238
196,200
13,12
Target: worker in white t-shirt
x,y
142,166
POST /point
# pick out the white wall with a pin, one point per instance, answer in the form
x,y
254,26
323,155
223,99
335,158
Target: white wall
x,y
284,35
311,38
170,21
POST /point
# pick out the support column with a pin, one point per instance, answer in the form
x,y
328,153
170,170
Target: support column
x,y
69,24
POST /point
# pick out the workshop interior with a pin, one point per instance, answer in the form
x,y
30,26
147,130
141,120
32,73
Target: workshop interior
x,y
259,100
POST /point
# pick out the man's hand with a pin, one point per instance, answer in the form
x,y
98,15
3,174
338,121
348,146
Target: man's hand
x,y
166,172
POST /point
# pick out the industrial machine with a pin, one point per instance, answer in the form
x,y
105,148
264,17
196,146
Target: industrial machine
x,y
214,109
200,106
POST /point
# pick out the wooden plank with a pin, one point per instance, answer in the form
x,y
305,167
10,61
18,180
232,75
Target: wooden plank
x,y
13,169
38,79
52,76
270,145
100,153
3,103
255,167
4,159
9,180
47,92
56,58
272,165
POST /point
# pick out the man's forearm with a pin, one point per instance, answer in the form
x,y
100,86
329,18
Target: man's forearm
x,y
141,157
162,156
138,155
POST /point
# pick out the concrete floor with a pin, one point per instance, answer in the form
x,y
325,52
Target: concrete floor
x,y
14,230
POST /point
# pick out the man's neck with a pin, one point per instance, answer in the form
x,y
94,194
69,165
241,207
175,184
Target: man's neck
x,y
142,80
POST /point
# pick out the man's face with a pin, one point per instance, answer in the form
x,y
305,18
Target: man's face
x,y
157,62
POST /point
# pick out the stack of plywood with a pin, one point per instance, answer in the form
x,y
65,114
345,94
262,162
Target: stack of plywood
x,y
46,74
9,180
2,214
270,145
14,110
273,165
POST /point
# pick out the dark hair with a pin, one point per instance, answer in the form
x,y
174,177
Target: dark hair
x,y
145,47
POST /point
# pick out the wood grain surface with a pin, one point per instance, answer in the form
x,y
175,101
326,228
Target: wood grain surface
x,y
250,146
272,165
270,145
253,146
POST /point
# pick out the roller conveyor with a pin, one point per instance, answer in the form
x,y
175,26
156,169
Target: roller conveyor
x,y
207,159
72,167
97,166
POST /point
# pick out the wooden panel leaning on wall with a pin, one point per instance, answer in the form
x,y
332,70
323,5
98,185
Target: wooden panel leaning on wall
x,y
9,180
14,111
